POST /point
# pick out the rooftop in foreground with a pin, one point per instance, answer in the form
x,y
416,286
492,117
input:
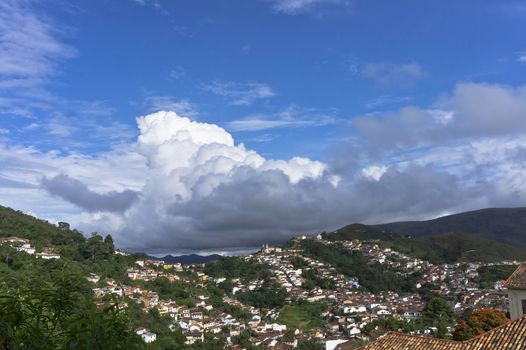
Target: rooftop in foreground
x,y
517,279
511,336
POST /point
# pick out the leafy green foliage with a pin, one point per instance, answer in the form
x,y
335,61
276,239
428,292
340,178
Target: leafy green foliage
x,y
269,296
216,299
488,275
373,277
298,262
312,280
40,232
438,313
59,315
236,267
309,344
244,340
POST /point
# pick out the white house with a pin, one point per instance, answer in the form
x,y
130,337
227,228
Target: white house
x,y
354,309
48,255
413,314
14,239
516,285
383,313
93,278
26,247
333,343
279,327
147,337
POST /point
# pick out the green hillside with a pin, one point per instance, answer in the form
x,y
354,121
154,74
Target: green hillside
x,y
40,232
48,304
447,247
506,225
455,247
357,231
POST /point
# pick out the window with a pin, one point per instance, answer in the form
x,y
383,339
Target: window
x,y
524,307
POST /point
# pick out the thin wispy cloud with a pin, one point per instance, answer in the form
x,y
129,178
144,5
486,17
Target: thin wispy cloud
x,y
29,50
168,103
245,49
290,117
156,4
177,73
258,123
295,7
60,127
388,74
240,94
32,52
385,100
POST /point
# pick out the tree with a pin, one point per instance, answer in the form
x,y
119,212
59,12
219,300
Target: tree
x,y
59,316
309,344
479,322
438,313
108,240
244,340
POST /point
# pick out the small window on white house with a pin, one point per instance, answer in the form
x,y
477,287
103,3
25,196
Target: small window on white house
x,y
524,307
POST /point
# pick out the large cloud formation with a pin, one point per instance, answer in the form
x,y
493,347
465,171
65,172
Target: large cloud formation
x,y
188,185
203,190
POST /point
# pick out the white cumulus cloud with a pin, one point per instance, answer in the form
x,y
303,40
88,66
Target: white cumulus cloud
x,y
185,184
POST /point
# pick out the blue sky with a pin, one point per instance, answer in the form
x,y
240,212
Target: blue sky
x,y
364,88
126,55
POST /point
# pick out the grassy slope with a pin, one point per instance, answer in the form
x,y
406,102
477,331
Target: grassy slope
x,y
506,225
302,316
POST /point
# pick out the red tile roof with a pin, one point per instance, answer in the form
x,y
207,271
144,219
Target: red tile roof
x,y
511,336
517,280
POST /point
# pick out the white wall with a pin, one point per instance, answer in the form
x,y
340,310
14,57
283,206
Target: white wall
x,y
516,297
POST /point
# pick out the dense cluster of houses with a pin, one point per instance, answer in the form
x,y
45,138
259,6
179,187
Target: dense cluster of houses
x,y
350,307
149,270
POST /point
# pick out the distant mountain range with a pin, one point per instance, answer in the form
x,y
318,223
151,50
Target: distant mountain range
x,y
189,259
506,225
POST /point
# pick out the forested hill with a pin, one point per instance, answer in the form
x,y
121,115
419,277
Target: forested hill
x,y
46,300
442,248
39,232
506,225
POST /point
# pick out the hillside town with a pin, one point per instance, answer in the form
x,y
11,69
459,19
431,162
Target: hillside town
x,y
318,301
348,308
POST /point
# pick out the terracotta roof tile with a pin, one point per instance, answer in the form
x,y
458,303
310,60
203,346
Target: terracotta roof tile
x,y
511,336
517,280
